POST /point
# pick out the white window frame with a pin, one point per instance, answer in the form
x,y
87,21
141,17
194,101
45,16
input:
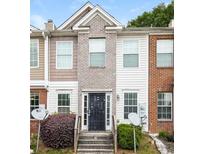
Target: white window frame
x,y
165,52
84,127
67,106
70,67
130,91
97,52
37,40
108,127
130,53
38,101
165,106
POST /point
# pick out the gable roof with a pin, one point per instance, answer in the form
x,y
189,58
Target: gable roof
x,y
97,10
33,28
75,15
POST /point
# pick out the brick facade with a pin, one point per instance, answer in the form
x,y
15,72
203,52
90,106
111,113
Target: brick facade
x,y
160,80
42,100
97,78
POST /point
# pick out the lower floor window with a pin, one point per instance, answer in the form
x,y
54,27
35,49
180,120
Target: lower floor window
x,y
130,103
165,106
63,103
34,102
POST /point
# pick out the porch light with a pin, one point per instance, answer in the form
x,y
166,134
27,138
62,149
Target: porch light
x,y
118,97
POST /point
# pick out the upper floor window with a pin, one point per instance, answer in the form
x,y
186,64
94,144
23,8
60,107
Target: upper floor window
x,y
164,106
97,52
64,103
130,53
34,52
165,50
34,102
64,54
130,103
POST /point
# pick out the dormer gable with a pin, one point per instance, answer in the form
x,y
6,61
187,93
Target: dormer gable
x,y
68,24
97,11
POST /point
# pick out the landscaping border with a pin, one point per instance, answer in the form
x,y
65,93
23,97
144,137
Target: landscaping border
x,y
160,145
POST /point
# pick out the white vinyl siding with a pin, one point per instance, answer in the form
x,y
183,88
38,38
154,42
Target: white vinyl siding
x,y
34,102
62,87
164,106
64,55
130,53
34,53
165,50
133,79
97,52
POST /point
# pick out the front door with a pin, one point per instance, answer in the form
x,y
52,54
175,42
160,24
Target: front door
x,y
96,111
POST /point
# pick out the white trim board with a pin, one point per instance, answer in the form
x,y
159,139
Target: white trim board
x,y
96,90
37,83
46,59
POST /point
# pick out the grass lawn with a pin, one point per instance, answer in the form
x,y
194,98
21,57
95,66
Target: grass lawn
x,y
45,150
147,146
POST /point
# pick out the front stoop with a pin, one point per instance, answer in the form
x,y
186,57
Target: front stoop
x,y
95,143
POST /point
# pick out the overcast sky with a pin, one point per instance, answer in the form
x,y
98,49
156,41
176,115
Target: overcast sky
x,y
60,10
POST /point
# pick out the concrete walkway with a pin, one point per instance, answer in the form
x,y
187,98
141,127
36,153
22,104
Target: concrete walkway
x,y
160,146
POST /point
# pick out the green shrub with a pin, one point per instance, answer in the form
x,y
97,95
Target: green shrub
x,y
126,137
166,136
57,131
163,134
33,141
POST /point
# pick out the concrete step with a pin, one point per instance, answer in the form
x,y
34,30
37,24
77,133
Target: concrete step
x,y
95,146
93,141
99,133
95,151
96,137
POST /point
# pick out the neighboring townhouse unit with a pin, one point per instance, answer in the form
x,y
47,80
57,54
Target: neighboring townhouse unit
x,y
161,82
94,67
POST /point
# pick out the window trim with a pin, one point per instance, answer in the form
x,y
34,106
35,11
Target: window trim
x,y
130,91
89,59
165,120
34,105
172,54
37,53
63,92
61,68
127,53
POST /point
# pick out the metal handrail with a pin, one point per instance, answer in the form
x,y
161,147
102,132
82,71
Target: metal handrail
x,y
114,132
76,132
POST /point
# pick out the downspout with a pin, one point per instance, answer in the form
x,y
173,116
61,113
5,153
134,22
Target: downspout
x,y
45,36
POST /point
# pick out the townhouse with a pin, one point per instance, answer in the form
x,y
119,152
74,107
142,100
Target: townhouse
x,y
94,67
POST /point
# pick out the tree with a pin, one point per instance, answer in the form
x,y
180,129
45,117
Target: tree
x,y
160,16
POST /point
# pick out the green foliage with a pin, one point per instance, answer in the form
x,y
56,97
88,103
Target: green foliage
x,y
163,134
33,141
57,131
126,137
166,136
160,16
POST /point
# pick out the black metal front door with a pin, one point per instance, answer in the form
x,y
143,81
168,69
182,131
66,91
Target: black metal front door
x,y
96,111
